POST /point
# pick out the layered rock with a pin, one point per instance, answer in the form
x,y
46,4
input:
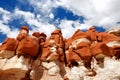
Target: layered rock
x,y
53,47
23,33
36,69
28,46
14,67
51,57
79,47
88,45
8,48
75,58
115,32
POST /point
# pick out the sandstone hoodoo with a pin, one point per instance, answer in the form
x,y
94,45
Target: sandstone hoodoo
x,y
53,47
79,47
28,46
84,56
24,32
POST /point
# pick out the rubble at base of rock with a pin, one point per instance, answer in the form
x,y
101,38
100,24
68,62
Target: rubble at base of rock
x,y
89,55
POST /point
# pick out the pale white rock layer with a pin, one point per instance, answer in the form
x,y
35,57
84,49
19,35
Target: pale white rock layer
x,y
14,68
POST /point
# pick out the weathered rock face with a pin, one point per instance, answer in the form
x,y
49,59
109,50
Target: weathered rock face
x,y
82,46
23,33
105,37
75,38
14,68
115,32
115,44
92,34
53,53
39,59
79,47
9,44
28,46
100,48
8,48
53,47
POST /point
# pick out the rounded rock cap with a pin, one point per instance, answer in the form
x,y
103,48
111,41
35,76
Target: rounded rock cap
x,y
56,31
25,28
36,34
92,27
43,34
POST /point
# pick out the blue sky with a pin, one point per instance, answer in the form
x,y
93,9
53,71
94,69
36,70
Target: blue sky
x,y
67,15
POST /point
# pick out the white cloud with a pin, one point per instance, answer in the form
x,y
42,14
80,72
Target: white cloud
x,y
5,29
36,23
97,12
51,15
44,6
69,27
5,15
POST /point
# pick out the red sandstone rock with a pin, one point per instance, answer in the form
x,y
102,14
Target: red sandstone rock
x,y
79,47
91,33
36,34
28,46
110,40
80,52
9,44
77,35
106,37
53,47
23,33
100,48
83,49
42,39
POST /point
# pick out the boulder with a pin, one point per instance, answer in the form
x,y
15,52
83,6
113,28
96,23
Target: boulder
x,y
106,37
8,48
115,32
79,53
79,47
92,33
52,56
28,46
36,69
100,48
77,37
14,68
23,33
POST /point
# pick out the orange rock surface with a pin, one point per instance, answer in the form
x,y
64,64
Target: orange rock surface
x,y
92,33
9,44
28,46
100,48
53,47
106,37
77,35
23,33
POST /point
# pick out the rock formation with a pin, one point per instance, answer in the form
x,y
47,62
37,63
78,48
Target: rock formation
x,y
23,33
28,46
52,56
115,32
8,48
83,56
79,47
53,47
